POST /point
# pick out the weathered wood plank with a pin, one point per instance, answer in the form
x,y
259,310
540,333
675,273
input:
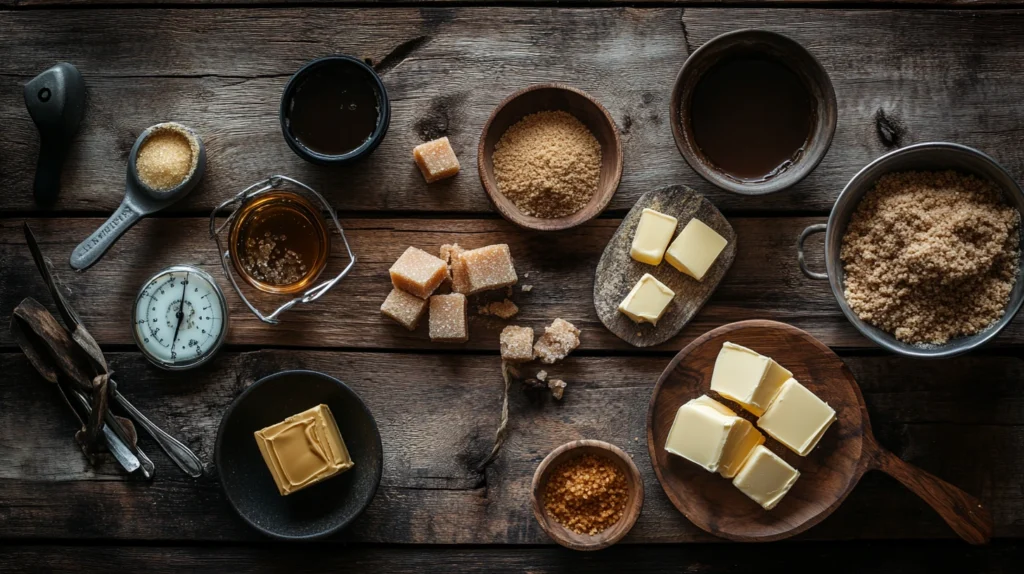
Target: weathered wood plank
x,y
850,558
437,414
589,3
763,283
920,75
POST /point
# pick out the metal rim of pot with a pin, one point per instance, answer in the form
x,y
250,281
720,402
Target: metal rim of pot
x,y
927,156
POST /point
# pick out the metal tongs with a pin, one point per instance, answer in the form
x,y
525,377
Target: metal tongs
x,y
75,358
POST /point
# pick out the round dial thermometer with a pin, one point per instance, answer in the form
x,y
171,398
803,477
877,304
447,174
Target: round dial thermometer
x,y
180,318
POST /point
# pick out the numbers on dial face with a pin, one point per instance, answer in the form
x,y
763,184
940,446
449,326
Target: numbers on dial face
x,y
157,315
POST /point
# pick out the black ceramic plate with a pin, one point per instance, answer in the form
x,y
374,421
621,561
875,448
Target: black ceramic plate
x,y
318,510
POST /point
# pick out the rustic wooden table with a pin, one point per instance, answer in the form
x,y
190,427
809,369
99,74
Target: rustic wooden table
x,y
901,76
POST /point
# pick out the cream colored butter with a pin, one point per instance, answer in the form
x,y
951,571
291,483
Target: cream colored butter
x,y
797,418
765,477
652,235
738,373
710,435
304,449
768,388
647,301
695,249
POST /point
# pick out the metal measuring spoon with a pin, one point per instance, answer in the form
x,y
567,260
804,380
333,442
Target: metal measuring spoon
x,y
139,200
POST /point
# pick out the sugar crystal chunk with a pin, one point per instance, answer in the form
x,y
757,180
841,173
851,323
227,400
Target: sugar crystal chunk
x,y
488,268
557,387
418,272
557,341
405,309
450,254
448,321
516,344
436,159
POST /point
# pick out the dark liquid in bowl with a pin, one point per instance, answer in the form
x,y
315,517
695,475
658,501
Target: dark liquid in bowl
x,y
751,117
334,110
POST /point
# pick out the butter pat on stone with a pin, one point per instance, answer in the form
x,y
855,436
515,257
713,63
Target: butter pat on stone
x,y
304,449
647,300
765,477
709,434
797,418
695,249
652,235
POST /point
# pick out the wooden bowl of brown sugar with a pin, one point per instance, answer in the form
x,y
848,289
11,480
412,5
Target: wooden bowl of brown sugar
x,y
615,494
560,128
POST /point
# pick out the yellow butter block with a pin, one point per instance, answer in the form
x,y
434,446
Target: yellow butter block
x,y
797,418
652,235
304,449
765,477
695,249
709,434
647,301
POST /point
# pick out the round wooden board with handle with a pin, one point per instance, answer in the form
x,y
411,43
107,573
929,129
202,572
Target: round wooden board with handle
x,y
827,475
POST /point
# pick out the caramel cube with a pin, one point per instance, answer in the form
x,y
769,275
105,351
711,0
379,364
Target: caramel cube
x,y
516,344
487,268
304,449
418,273
448,318
557,341
436,159
405,309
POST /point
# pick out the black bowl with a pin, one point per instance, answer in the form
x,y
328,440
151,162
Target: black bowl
x,y
318,510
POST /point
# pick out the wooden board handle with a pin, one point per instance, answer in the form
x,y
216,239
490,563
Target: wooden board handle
x,y
961,511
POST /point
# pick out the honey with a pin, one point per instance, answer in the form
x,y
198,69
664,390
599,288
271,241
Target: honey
x,y
279,242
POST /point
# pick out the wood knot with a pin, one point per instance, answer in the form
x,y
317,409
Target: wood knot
x,y
891,129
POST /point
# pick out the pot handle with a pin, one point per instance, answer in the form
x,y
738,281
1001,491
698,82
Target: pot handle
x,y
810,230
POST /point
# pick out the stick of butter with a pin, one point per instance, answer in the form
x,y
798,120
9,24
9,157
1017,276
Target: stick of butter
x,y
709,434
653,233
747,377
695,249
647,300
797,418
765,477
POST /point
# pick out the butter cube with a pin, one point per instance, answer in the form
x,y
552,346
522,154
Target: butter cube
x,y
652,235
797,418
709,434
738,373
304,449
418,273
448,321
695,249
405,309
647,300
765,477
516,344
436,159
485,268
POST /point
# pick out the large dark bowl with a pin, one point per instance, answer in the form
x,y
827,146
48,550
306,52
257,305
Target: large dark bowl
x,y
316,511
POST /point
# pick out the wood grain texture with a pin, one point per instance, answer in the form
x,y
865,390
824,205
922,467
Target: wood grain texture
x,y
900,77
590,3
617,272
764,282
437,415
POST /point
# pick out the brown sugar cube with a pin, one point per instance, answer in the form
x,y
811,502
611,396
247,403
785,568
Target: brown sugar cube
x,y
448,321
436,159
418,272
450,254
557,341
516,344
405,309
488,268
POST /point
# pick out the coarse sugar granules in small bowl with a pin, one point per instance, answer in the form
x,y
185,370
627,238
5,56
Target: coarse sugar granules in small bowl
x,y
167,157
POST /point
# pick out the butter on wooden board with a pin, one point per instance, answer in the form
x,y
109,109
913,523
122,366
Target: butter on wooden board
x,y
647,301
747,377
709,434
765,478
695,250
797,418
304,449
652,236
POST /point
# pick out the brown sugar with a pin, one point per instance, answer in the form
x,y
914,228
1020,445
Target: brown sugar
x,y
929,256
405,309
165,159
548,164
586,494
448,321
557,387
418,272
502,309
436,159
456,268
516,344
557,341
487,268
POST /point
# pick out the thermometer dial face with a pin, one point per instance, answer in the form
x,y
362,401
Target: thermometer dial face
x,y
180,318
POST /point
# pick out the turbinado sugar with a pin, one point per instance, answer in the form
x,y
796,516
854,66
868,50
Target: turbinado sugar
x,y
516,344
557,341
436,159
487,268
418,272
405,309
166,158
548,164
448,318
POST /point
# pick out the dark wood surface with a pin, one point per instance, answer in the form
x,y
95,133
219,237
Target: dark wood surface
x,y
901,76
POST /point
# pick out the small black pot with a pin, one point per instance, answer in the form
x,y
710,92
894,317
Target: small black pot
x,y
383,119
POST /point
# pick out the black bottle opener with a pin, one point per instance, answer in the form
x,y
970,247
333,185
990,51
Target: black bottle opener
x,y
56,101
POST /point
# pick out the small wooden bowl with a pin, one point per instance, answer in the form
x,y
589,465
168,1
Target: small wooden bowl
x,y
609,536
543,97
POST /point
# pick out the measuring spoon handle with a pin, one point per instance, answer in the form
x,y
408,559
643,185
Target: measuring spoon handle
x,y
178,452
89,251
